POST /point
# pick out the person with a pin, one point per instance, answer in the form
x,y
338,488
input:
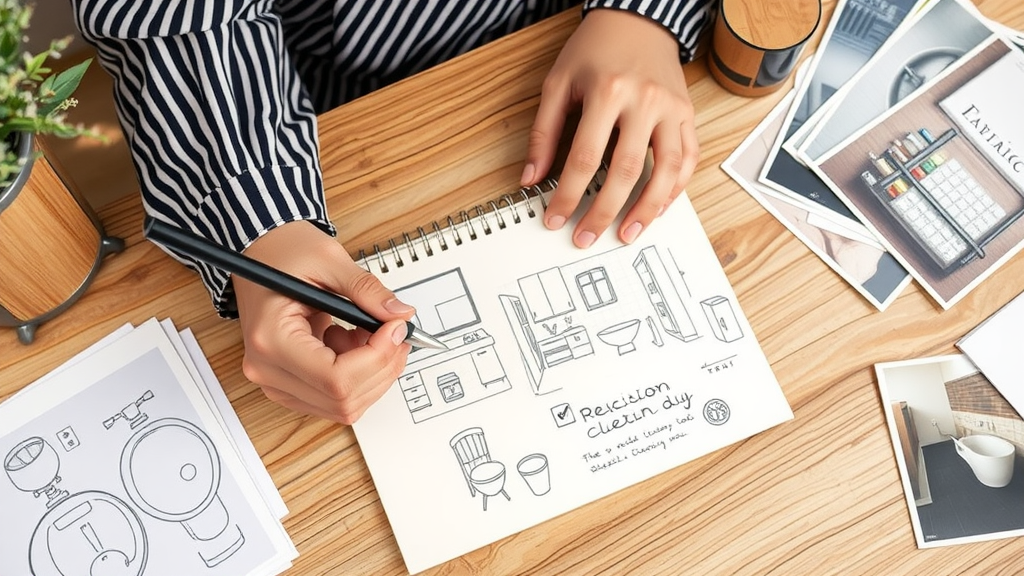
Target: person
x,y
218,102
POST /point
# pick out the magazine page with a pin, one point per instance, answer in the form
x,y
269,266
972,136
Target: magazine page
x,y
865,265
856,31
932,176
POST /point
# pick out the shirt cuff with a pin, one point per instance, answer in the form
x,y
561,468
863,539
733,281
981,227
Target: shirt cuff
x,y
246,208
686,20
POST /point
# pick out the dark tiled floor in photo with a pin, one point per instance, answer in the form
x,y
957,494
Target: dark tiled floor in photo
x,y
963,506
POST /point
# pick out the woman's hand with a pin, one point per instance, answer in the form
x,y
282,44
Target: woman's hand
x,y
624,70
296,354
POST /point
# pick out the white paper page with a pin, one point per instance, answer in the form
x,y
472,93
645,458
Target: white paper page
x,y
133,473
996,346
98,345
234,427
583,372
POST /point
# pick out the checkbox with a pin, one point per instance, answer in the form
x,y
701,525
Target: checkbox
x,y
563,415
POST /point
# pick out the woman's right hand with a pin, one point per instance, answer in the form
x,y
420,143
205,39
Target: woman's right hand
x,y
296,354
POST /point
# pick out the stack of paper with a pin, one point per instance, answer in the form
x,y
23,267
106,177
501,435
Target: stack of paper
x,y
876,160
128,459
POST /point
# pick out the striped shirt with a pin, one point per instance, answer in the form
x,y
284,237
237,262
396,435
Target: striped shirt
x,y
218,98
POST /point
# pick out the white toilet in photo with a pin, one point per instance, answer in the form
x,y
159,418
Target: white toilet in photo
x,y
990,457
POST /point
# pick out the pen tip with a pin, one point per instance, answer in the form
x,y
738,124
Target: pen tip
x,y
421,339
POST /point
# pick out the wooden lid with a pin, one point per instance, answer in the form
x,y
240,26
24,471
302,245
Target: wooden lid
x,y
772,24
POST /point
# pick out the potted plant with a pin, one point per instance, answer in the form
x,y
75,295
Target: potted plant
x,y
51,243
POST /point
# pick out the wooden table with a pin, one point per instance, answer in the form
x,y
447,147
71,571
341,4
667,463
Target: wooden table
x,y
820,493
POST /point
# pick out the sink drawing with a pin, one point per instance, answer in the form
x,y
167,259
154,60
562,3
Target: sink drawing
x,y
621,336
171,471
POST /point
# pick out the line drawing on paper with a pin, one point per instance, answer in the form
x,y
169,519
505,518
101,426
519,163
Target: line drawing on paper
x,y
91,532
661,290
487,476
720,315
171,470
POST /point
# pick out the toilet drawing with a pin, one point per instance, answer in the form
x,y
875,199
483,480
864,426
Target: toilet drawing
x,y
171,471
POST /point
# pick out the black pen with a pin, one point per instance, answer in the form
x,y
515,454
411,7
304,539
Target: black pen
x,y
274,279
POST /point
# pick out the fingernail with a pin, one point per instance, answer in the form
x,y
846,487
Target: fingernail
x,y
662,210
585,239
555,222
398,336
396,306
631,232
528,172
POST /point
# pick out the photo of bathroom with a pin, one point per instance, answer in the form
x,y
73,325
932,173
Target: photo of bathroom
x,y
959,446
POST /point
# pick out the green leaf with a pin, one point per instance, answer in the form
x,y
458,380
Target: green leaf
x,y
64,85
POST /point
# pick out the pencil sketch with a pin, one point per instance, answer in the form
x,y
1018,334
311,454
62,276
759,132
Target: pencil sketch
x,y
546,294
720,315
171,470
661,290
487,476
655,335
443,303
596,288
436,382
482,474
132,413
92,532
621,336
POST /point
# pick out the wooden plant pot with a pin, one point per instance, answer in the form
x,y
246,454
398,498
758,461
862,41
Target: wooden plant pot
x,y
51,246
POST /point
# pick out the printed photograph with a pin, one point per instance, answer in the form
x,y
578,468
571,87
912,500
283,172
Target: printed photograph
x,y
938,179
859,260
958,445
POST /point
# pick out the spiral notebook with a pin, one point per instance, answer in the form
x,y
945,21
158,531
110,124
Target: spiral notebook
x,y
570,374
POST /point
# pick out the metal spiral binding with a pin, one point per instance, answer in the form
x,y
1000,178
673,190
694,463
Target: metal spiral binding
x,y
503,211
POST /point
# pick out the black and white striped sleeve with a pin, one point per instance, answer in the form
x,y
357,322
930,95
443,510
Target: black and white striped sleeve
x,y
686,19
222,134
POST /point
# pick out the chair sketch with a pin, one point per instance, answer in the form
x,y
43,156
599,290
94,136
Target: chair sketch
x,y
481,473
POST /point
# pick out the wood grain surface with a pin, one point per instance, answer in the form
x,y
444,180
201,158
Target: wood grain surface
x,y
819,494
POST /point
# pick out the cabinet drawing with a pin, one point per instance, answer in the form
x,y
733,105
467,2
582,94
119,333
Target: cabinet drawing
x,y
722,319
546,294
439,381
662,292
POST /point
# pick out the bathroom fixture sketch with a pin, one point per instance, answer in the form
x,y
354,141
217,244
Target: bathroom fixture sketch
x,y
595,288
92,533
719,313
682,275
89,532
33,466
539,355
482,474
546,295
661,290
443,303
621,336
171,471
68,439
131,413
657,340
436,382
990,457
533,468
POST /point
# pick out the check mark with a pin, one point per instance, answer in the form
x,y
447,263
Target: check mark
x,y
563,415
